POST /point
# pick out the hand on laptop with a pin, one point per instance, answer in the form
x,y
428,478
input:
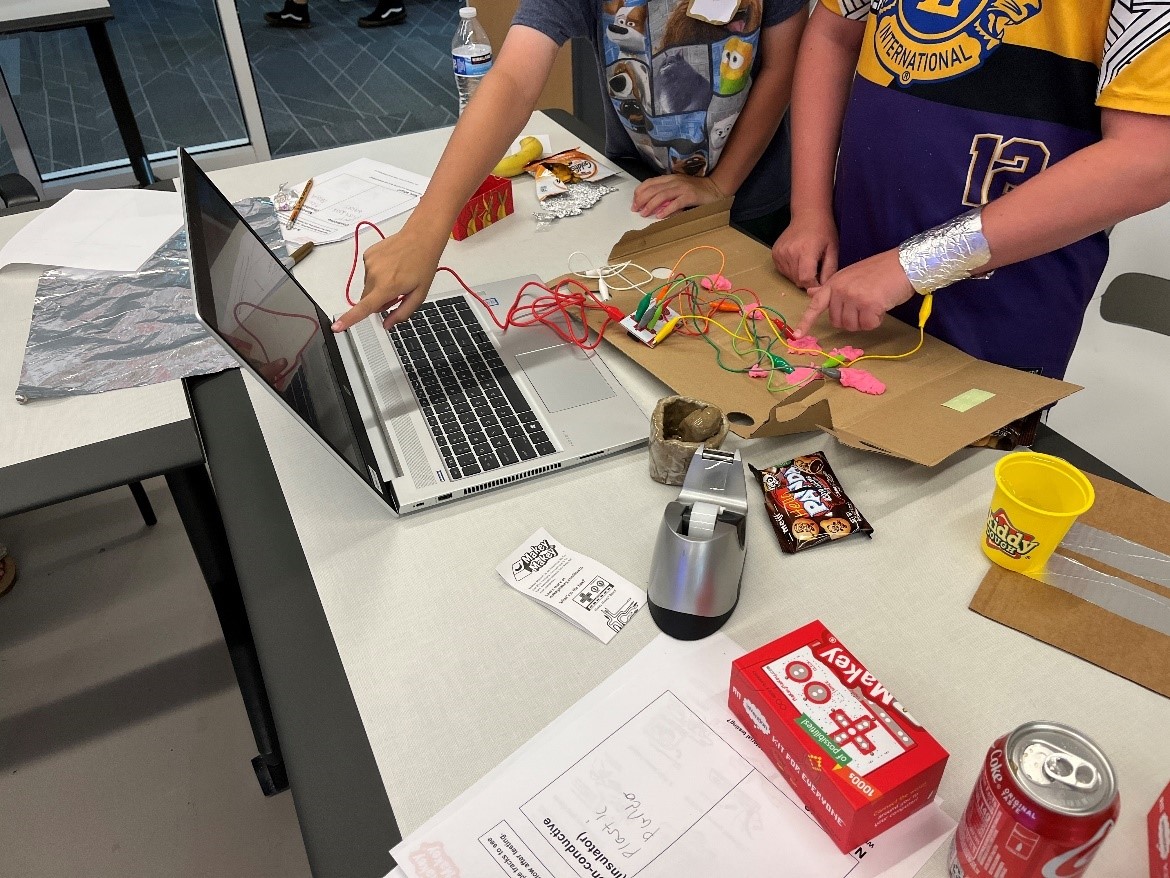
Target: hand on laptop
x,y
399,271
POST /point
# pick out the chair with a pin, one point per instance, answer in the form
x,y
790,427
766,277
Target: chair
x,y
1138,300
17,192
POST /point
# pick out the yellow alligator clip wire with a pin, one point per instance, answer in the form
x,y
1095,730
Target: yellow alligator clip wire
x,y
665,331
924,309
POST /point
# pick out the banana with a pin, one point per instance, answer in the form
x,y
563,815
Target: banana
x,y
511,165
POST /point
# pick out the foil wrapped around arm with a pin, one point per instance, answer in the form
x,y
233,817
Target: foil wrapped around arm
x,y
948,253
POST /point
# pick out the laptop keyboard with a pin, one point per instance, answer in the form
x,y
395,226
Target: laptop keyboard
x,y
476,412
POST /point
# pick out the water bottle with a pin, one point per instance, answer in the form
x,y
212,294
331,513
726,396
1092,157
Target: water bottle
x,y
471,54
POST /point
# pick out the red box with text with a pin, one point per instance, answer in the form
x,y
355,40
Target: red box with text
x,y
492,201
857,759
1159,828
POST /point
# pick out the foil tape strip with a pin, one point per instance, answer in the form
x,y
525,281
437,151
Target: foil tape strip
x,y
94,331
946,254
1125,555
1110,593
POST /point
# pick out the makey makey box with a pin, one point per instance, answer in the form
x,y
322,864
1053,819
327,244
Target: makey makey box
x,y
846,745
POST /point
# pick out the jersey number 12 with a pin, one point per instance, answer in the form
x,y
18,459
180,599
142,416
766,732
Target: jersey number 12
x,y
998,166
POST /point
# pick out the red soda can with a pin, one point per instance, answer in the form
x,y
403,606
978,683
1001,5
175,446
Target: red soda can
x,y
1044,801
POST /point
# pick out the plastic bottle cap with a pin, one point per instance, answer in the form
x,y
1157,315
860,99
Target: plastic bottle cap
x,y
467,12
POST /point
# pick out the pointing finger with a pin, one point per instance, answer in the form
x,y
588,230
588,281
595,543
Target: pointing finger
x,y
818,302
356,314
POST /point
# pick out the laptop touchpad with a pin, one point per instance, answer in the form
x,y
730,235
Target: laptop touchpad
x,y
563,377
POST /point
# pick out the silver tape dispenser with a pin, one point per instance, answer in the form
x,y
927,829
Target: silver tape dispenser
x,y
701,547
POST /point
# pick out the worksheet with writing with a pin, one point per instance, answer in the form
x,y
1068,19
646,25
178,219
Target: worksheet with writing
x,y
650,775
362,190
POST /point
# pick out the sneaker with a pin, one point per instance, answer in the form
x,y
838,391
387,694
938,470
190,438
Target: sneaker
x,y
388,12
292,15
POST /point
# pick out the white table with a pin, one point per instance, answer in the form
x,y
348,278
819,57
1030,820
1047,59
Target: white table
x,y
57,449
35,431
451,671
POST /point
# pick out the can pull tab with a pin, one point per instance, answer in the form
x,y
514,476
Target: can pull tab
x,y
1044,763
1071,770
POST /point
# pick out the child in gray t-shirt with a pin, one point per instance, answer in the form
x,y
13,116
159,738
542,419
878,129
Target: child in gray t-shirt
x,y
697,101
676,86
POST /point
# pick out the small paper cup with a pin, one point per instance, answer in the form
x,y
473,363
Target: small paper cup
x,y
1037,498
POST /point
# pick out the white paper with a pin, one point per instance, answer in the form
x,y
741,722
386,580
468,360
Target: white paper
x,y
362,190
652,772
97,229
574,586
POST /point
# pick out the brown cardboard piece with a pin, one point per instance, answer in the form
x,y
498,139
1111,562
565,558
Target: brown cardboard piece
x,y
1054,616
908,421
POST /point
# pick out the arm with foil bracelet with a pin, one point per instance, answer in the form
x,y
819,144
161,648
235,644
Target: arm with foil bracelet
x,y
1125,173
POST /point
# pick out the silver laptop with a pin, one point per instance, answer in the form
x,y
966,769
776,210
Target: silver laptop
x,y
442,406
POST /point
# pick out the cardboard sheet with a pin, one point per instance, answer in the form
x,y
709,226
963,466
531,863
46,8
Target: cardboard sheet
x,y
908,421
1077,626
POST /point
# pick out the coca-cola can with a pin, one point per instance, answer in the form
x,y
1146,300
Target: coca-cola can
x,y
1043,804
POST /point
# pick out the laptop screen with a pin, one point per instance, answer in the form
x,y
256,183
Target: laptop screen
x,y
251,302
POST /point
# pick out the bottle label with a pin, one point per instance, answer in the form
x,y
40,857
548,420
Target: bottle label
x,y
476,65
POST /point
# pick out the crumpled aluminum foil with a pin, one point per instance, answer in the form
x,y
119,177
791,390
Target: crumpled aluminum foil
x,y
99,330
576,198
946,254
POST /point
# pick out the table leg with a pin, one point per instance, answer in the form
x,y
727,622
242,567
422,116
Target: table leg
x,y
13,131
144,507
195,499
103,53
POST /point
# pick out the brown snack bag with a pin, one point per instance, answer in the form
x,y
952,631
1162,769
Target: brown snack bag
x,y
807,505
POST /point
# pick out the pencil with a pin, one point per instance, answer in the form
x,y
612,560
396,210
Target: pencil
x,y
301,252
296,211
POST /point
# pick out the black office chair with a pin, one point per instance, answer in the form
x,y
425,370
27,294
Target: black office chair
x,y
1138,300
16,192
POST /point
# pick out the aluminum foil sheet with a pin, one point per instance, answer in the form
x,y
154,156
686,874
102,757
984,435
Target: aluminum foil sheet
x,y
945,254
99,330
576,198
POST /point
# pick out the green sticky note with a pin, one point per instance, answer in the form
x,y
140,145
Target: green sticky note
x,y
968,400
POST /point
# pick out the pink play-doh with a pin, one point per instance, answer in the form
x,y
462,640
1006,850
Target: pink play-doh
x,y
715,282
758,371
804,343
861,380
800,375
847,353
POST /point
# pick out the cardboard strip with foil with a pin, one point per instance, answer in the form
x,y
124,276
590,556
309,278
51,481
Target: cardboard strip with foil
x,y
1126,555
1110,604
1110,593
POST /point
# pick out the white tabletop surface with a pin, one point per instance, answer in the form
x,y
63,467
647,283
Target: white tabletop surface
x,y
452,671
47,426
19,10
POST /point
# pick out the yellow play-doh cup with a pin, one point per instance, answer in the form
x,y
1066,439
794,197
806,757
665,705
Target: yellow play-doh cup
x,y
1037,498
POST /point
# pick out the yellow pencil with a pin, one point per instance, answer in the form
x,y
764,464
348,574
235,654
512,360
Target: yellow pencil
x,y
296,211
